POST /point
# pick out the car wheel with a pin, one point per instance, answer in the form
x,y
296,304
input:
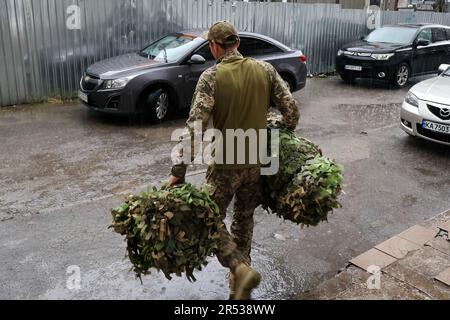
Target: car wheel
x,y
347,78
401,76
288,82
159,105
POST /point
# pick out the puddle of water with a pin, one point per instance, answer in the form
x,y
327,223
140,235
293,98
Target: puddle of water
x,y
370,116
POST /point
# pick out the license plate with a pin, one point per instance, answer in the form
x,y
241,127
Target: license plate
x,y
83,96
436,127
354,68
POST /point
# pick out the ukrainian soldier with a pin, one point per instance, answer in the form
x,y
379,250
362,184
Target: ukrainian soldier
x,y
236,93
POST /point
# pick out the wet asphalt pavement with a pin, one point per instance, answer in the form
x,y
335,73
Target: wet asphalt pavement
x,y
63,167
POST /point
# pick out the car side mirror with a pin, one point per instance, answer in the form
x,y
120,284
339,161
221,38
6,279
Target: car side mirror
x,y
443,68
423,42
196,59
362,38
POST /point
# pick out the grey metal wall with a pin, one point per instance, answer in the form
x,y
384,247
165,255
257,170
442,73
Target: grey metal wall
x,y
42,54
41,57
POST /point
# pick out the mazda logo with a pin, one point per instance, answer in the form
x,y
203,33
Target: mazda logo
x,y
445,113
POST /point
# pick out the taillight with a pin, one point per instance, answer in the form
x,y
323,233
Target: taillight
x,y
303,58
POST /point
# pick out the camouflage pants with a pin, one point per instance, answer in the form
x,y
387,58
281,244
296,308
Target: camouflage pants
x,y
245,186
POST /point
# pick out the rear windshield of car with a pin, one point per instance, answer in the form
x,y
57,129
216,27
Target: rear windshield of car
x,y
171,48
394,35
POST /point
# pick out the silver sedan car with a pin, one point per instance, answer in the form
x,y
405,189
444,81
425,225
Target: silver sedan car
x,y
425,112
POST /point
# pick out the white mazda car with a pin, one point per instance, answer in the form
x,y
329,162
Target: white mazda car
x,y
426,110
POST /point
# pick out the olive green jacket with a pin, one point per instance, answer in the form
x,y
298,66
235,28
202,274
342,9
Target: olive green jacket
x,y
236,93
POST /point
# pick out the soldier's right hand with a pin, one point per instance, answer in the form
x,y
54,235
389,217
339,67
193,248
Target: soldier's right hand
x,y
173,181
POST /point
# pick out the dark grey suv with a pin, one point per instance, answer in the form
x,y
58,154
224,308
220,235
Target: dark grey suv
x,y
395,53
162,77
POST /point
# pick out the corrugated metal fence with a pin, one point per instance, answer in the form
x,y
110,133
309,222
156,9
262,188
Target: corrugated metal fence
x,y
47,44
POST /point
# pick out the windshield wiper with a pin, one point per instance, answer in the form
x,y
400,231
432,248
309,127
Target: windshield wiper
x,y
165,55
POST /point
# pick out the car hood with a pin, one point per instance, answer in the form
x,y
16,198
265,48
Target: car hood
x,y
434,90
364,46
122,66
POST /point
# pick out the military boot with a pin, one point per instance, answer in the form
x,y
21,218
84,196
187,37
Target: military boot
x,y
245,280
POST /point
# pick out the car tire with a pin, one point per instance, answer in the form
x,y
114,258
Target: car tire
x,y
401,75
347,78
288,82
159,105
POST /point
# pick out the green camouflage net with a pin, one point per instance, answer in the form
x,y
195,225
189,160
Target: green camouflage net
x,y
173,230
307,185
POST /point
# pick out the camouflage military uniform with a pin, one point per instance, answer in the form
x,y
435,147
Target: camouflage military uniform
x,y
244,183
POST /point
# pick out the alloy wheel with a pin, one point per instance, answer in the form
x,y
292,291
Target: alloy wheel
x,y
402,75
162,106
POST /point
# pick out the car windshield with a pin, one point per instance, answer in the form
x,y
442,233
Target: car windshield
x,y
395,35
171,48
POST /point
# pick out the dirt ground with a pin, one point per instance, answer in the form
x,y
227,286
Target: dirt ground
x,y
63,168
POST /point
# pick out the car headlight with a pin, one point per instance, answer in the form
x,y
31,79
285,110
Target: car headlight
x,y
340,53
117,83
412,99
382,56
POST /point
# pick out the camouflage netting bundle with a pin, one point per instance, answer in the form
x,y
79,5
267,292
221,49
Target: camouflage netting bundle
x,y
173,230
307,185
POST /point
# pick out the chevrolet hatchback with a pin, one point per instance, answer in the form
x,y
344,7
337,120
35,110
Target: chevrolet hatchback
x,y
162,77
